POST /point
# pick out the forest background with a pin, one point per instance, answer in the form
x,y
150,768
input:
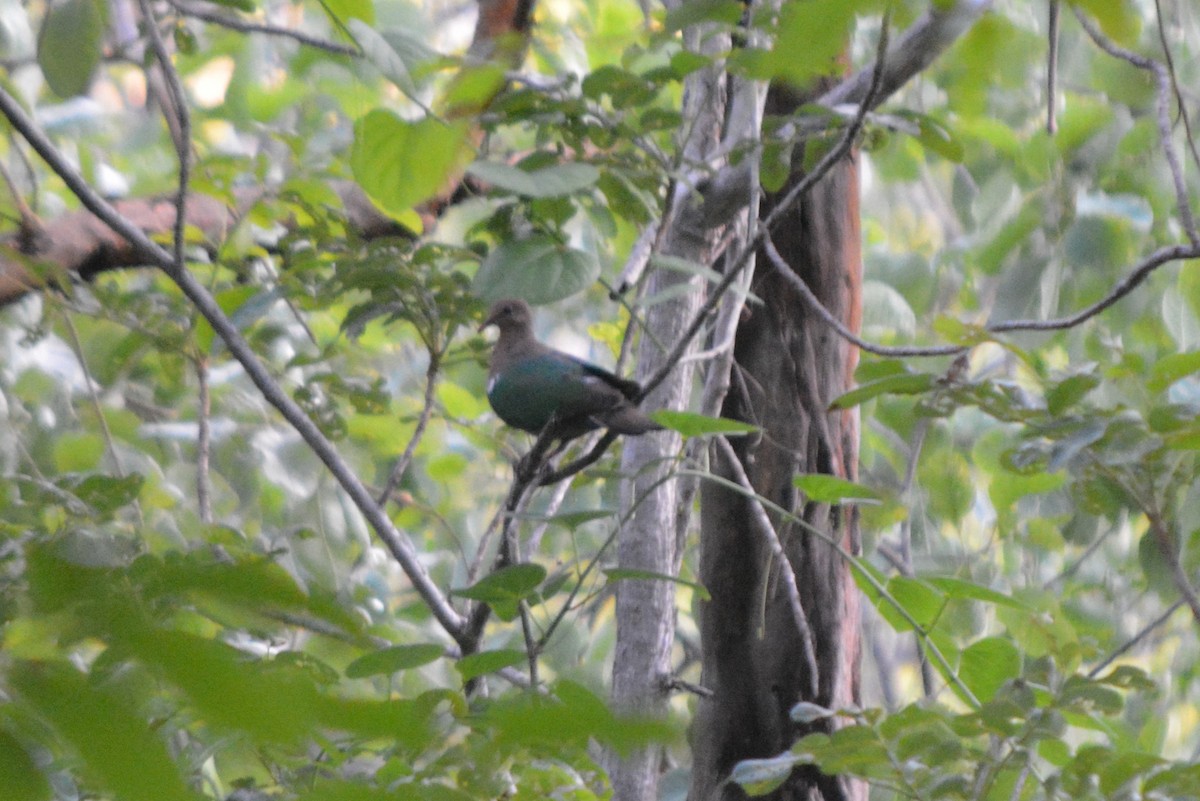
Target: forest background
x,y
260,533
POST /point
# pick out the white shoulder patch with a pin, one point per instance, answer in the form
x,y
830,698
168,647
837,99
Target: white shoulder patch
x,y
491,384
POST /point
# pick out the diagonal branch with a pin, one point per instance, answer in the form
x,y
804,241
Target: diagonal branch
x,y
763,523
397,543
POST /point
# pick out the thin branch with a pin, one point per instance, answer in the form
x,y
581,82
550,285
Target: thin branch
x,y
183,119
1169,549
203,442
767,531
1135,639
798,283
1183,115
401,465
397,543
1126,285
1052,69
245,26
1162,80
858,566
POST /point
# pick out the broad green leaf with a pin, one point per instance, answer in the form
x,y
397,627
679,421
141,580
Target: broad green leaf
x,y
401,164
918,598
553,181
71,43
112,738
691,424
1119,19
935,137
728,12
629,573
503,589
1070,391
539,269
78,451
106,494
903,384
1171,368
344,11
960,588
484,662
822,488
987,664
761,776
383,56
20,779
394,659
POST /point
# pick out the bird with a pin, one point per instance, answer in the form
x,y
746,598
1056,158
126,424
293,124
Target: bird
x,y
531,385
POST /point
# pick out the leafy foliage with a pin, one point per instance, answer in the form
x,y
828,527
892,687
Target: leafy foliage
x,y
188,614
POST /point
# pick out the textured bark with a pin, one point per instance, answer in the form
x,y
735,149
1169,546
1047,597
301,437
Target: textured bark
x,y
789,365
78,246
653,539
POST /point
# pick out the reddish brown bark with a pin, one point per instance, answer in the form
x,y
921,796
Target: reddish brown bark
x,y
789,366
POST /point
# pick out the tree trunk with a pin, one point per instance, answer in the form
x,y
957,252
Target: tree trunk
x,y
653,539
789,365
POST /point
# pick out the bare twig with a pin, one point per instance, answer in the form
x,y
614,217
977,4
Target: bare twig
x,y
401,465
767,531
203,441
1162,80
1146,631
798,283
1052,69
245,26
1123,287
1168,548
182,130
1183,113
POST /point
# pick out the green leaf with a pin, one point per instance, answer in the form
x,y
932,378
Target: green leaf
x,y
935,137
391,660
345,11
106,494
401,164
921,600
504,588
903,384
1119,19
71,44
484,662
539,269
823,488
761,776
112,738
691,424
1169,369
987,664
383,56
728,12
20,779
629,573
959,588
1070,391
807,712
553,181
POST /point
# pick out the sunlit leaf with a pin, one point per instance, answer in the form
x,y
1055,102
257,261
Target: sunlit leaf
x,y
400,163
